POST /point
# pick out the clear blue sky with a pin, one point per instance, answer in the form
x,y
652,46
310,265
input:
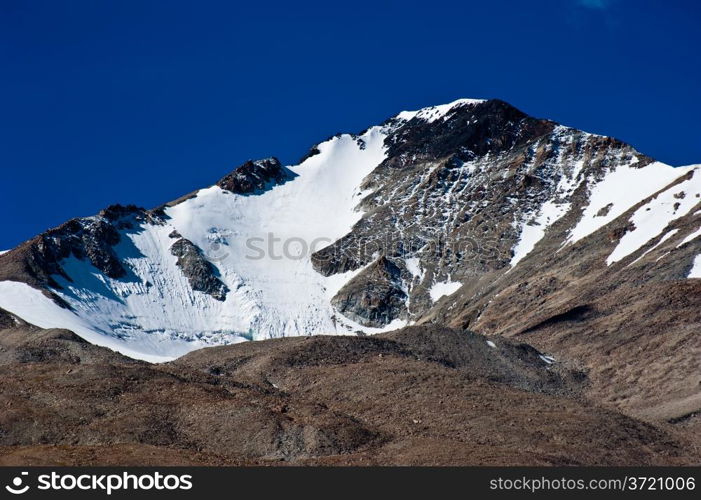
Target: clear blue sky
x,y
139,102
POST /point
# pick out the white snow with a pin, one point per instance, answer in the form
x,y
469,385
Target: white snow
x,y
35,308
282,294
664,238
690,237
653,217
413,265
548,359
3,251
434,113
534,226
532,232
622,188
695,271
443,288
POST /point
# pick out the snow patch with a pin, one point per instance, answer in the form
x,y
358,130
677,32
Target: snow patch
x,y
434,113
34,307
547,359
413,265
667,236
443,288
532,232
535,225
650,219
619,190
690,237
695,271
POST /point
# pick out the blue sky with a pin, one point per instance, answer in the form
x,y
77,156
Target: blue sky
x,y
141,102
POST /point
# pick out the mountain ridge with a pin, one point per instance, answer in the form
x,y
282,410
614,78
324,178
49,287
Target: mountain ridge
x,y
452,200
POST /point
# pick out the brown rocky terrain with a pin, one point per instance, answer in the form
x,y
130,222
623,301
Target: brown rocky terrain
x,y
422,396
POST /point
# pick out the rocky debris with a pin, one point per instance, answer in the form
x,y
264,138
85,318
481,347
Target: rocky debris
x,y
375,296
604,211
9,320
127,216
201,274
256,176
116,212
420,396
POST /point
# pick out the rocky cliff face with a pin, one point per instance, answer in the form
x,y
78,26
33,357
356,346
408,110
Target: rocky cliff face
x,y
375,297
471,214
199,271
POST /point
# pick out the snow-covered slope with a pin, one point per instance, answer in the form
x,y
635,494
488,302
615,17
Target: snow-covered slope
x,y
259,244
480,181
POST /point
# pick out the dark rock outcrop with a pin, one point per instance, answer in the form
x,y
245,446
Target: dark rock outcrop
x,y
256,176
312,152
38,259
469,130
201,274
375,297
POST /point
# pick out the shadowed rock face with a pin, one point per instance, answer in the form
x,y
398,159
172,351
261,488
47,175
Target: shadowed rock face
x,y
86,238
374,297
490,127
89,239
419,396
255,176
201,274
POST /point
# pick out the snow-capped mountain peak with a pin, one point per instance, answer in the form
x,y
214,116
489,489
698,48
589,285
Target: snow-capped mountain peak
x,y
367,233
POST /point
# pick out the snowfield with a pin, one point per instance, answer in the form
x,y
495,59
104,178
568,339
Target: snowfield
x,y
35,308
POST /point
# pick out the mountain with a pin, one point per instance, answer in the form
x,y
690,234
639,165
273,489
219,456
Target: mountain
x,y
471,215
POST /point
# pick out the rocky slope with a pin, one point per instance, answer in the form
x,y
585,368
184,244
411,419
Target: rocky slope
x,y
421,395
472,215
